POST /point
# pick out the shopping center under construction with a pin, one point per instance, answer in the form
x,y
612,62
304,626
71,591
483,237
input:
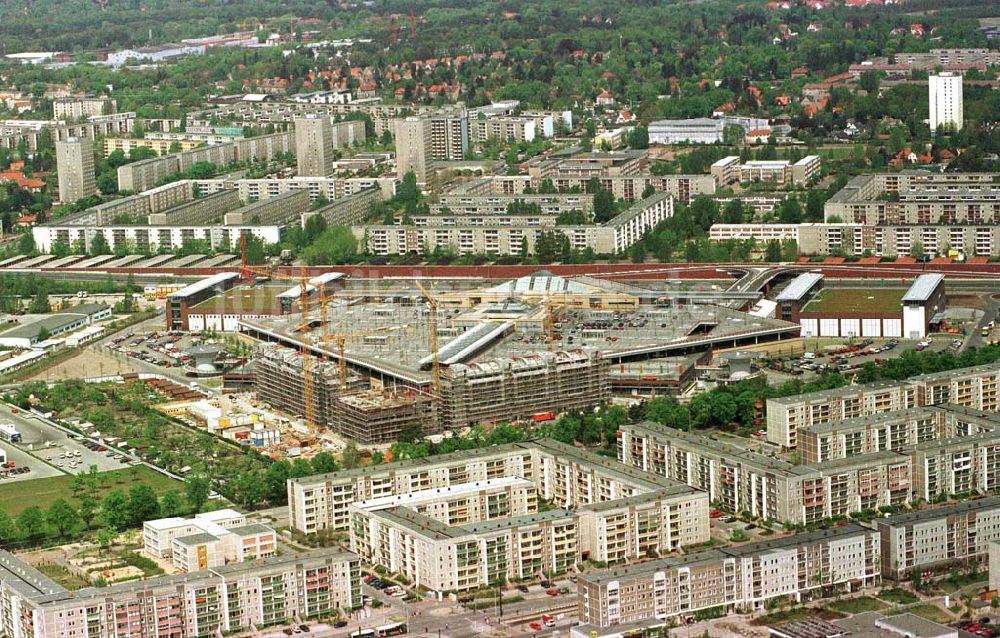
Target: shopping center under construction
x,y
368,361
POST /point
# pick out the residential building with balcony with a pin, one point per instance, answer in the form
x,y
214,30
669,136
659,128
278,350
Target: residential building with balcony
x,y
735,579
938,539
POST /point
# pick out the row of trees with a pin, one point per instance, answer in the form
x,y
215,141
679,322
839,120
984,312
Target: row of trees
x,y
117,511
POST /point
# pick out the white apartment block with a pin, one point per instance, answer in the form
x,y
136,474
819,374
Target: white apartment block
x,y
729,170
940,538
206,550
330,188
946,101
233,598
521,235
470,535
76,108
459,520
75,166
735,579
207,540
158,535
221,238
975,387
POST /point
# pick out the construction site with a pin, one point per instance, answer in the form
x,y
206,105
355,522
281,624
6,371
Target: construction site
x,y
368,362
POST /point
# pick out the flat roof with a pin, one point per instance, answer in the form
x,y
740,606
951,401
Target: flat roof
x,y
197,539
51,323
856,301
436,493
239,299
799,286
985,503
862,422
808,629
647,569
250,529
923,287
912,625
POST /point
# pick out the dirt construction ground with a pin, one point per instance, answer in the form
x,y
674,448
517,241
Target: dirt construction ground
x,y
91,362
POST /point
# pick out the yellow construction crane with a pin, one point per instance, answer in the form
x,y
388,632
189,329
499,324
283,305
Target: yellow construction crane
x,y
433,340
307,361
341,340
550,321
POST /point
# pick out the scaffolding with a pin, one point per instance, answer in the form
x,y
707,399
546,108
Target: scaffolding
x,y
381,417
281,383
508,389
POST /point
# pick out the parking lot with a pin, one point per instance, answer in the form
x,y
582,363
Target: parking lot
x,y
845,357
41,441
163,349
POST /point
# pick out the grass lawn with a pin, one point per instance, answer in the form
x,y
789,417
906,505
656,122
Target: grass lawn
x,y
930,612
20,495
952,584
900,596
857,605
63,576
856,301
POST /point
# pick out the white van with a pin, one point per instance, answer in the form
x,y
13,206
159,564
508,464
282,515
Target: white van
x,y
809,356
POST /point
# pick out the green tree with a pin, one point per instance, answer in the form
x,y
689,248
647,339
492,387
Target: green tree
x,y
8,529
323,463
88,509
99,245
870,81
26,244
604,206
300,468
772,251
275,477
337,245
815,201
249,490
143,505
667,411
40,302
31,523
790,211
197,489
407,193
62,517
733,212
105,537
638,137
107,183
115,510
350,458
411,433
255,252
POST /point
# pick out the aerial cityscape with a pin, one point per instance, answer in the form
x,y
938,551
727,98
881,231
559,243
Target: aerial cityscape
x,y
522,319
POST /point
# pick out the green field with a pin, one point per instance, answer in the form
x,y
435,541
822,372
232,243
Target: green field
x,y
857,605
856,301
20,495
900,596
